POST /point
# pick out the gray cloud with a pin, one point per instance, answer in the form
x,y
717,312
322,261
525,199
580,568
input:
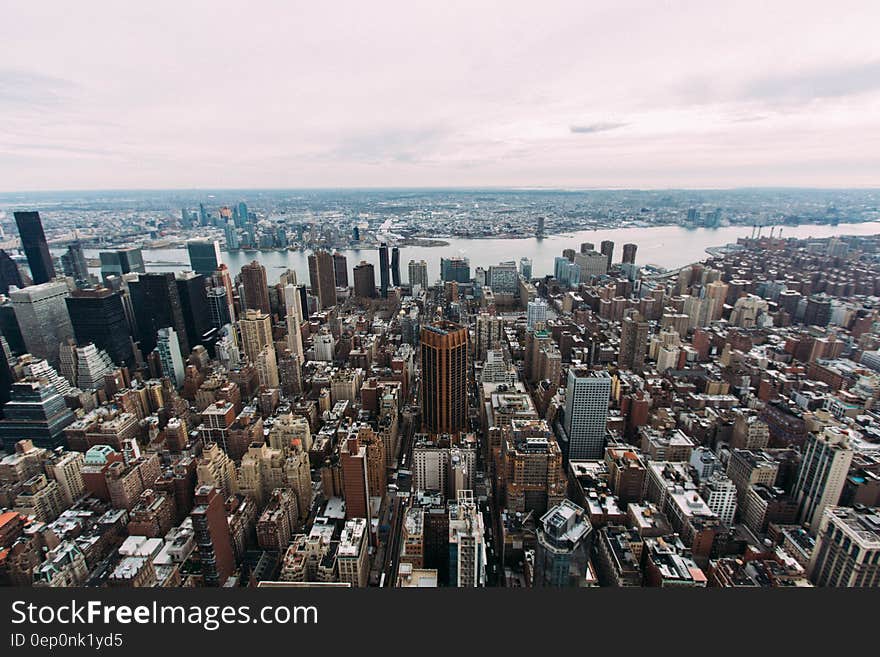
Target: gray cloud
x,y
837,82
393,144
21,88
592,128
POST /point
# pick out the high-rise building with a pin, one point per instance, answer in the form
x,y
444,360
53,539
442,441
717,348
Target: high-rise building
x,y
355,478
364,280
98,315
73,263
294,317
155,300
204,256
218,307
503,278
322,278
256,289
384,273
467,543
525,268
444,362
455,269
170,357
41,313
539,229
256,332
418,273
847,552
35,246
340,269
818,310
9,273
488,333
536,313
633,342
822,474
629,254
606,248
563,548
212,536
586,412
194,306
129,260
35,412
395,266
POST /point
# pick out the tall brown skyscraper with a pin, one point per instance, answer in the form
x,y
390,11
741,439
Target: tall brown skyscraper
x,y
364,280
444,377
211,533
256,290
322,277
355,480
629,254
340,269
633,342
607,249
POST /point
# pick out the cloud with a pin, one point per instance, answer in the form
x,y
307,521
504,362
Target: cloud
x,y
592,128
391,144
22,88
805,86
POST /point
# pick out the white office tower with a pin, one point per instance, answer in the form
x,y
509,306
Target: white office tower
x,y
168,347
41,313
325,346
467,546
418,273
847,552
227,349
586,413
825,464
496,369
294,318
719,493
537,313
92,365
39,368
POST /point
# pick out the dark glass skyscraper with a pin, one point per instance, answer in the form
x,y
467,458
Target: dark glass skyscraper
x,y
35,412
156,304
395,266
9,274
340,267
33,242
74,264
383,270
98,316
204,256
194,304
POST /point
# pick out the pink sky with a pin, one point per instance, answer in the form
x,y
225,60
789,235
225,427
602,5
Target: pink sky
x,y
561,94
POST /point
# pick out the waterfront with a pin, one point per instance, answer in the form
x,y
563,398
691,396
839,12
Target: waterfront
x,y
665,246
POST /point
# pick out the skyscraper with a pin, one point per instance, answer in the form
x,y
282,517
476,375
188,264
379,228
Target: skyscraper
x,y
194,306
563,550
256,332
418,273
383,270
364,280
633,342
444,348
395,266
355,478
204,256
170,357
822,474
9,273
455,269
256,289
322,278
586,413
74,264
122,261
607,249
536,313
37,412
847,552
42,316
467,542
525,268
294,315
212,536
35,247
155,300
98,316
629,254
340,269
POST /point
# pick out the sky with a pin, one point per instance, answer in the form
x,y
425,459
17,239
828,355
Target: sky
x,y
579,94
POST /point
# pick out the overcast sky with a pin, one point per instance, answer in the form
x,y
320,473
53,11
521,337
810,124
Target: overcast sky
x,y
541,93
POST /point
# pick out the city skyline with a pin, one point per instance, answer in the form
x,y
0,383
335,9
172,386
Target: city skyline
x,y
632,95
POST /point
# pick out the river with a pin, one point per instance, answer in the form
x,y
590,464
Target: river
x,y
665,246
